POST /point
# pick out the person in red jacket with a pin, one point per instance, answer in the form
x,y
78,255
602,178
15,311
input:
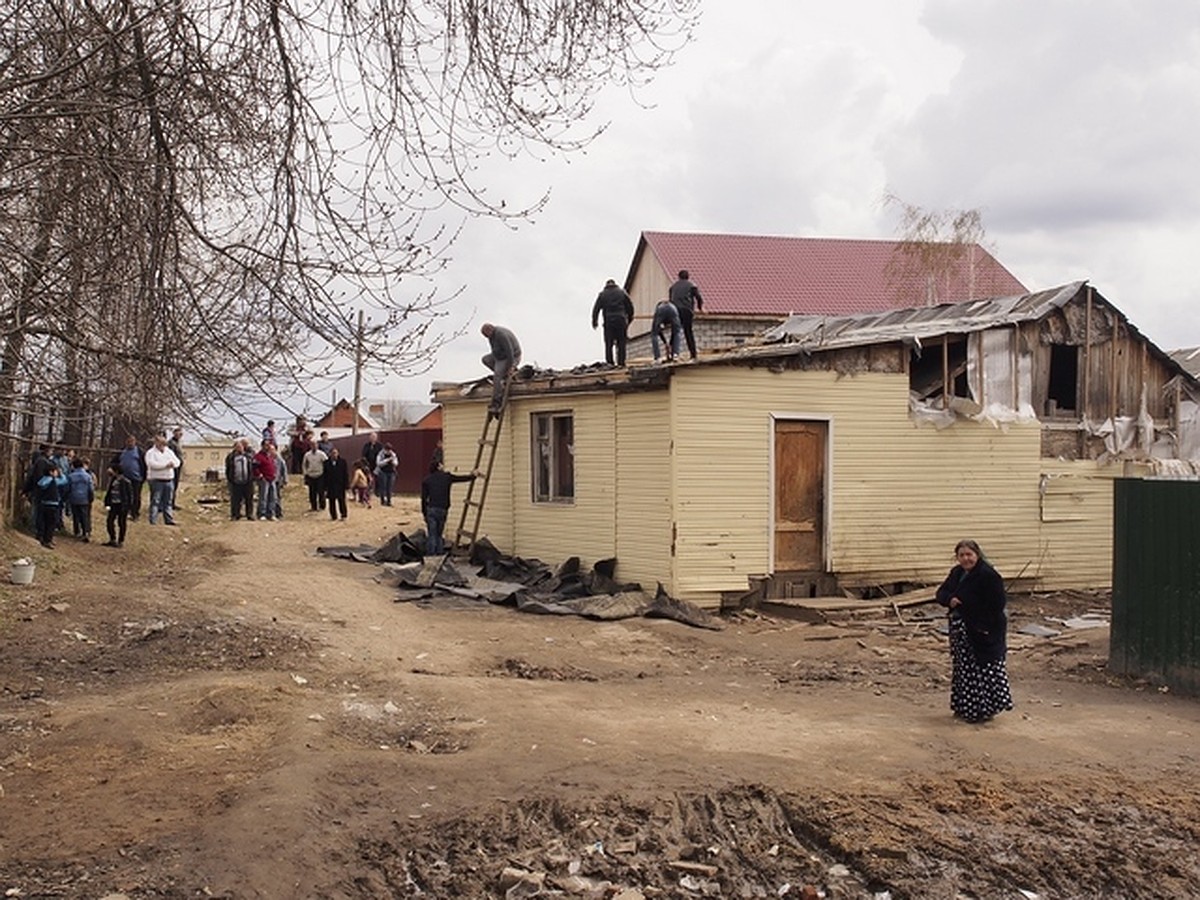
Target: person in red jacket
x,y
265,461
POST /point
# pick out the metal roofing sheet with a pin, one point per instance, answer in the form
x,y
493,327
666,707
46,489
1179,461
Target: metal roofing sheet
x,y
770,275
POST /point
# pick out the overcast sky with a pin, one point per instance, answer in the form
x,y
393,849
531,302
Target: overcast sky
x,y
1073,126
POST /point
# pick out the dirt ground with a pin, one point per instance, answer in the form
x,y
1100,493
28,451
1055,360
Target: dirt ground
x,y
216,711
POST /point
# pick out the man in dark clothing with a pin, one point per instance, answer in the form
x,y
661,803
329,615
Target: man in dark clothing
x,y
132,462
371,449
618,313
239,473
337,479
665,329
38,467
175,444
504,358
435,504
687,299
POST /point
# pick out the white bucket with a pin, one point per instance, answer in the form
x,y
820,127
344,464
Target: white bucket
x,y
22,572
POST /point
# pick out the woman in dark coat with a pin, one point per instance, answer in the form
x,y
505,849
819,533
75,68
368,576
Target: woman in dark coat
x,y
973,592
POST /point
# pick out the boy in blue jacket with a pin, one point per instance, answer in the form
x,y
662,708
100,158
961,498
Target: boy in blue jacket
x,y
81,491
50,489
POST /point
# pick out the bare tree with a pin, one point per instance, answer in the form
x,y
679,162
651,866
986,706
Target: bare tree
x,y
938,251
198,196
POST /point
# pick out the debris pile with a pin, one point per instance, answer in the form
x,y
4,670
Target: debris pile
x,y
528,584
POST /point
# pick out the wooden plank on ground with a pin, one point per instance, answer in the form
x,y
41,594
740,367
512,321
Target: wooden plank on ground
x,y
842,604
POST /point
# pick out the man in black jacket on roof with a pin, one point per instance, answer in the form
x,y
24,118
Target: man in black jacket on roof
x,y
618,313
686,297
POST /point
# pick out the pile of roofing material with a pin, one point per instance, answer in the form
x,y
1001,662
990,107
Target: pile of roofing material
x,y
528,584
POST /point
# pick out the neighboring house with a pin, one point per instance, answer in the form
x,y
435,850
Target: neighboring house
x,y
204,459
857,449
343,416
752,282
382,415
402,413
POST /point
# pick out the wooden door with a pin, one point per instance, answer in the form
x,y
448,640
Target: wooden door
x,y
800,495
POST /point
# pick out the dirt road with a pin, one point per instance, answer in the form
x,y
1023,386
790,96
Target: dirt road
x,y
216,711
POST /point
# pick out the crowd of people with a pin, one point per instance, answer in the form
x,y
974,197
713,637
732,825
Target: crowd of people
x,y
255,478
60,485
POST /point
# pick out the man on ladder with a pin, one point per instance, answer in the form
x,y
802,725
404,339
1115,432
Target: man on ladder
x,y
503,360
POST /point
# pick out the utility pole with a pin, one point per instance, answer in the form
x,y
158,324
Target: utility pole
x,y
358,365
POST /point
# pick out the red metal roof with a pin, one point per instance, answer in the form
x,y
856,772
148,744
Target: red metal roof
x,y
757,275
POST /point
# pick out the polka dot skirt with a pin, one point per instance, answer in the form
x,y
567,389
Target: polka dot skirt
x,y
977,691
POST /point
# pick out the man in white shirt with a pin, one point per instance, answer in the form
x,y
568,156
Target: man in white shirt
x,y
313,467
161,464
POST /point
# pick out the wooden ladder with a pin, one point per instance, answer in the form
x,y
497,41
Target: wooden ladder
x,y
485,457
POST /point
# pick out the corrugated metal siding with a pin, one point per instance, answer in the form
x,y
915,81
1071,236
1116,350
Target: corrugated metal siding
x,y
643,483
585,528
462,425
1156,582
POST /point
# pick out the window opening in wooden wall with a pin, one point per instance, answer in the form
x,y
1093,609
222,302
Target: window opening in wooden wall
x,y
553,457
1064,378
939,366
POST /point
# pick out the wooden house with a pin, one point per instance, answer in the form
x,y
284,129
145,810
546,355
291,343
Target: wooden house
x,y
851,451
752,282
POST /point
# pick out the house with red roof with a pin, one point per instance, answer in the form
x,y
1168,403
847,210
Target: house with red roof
x,y
751,282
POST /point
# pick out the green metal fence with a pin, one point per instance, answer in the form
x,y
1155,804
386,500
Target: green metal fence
x,y
1156,582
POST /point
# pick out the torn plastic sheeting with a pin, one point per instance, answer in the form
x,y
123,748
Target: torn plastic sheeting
x,y
624,605
358,552
528,584
402,549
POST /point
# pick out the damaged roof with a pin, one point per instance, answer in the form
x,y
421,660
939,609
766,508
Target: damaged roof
x,y
742,274
810,334
912,325
1189,358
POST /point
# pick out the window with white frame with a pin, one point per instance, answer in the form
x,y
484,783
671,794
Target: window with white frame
x,y
553,457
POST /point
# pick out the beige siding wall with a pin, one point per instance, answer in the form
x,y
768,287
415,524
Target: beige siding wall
x,y
1077,522
462,425
586,527
900,496
644,489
